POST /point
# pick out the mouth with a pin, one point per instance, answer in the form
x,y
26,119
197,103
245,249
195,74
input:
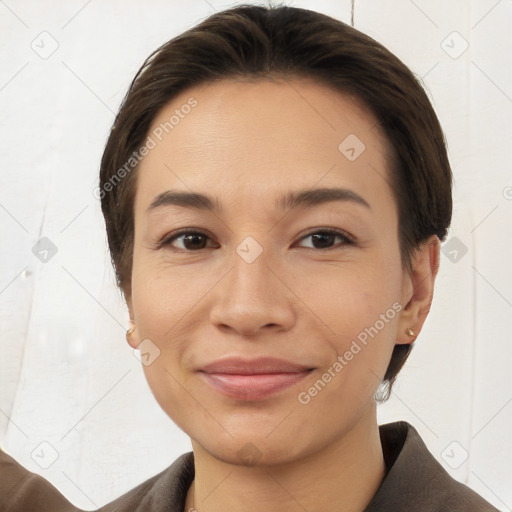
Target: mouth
x,y
252,380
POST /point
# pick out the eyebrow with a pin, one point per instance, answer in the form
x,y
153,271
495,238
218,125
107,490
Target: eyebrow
x,y
301,198
315,196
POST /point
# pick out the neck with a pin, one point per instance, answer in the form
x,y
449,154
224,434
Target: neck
x,y
345,475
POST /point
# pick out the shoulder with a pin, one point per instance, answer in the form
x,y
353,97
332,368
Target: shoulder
x,y
416,480
21,490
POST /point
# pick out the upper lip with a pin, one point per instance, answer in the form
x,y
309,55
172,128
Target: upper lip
x,y
258,366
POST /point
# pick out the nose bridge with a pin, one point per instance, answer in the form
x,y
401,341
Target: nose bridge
x,y
251,296
251,273
252,284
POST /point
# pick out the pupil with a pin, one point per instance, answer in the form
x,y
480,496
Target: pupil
x,y
325,240
320,240
194,239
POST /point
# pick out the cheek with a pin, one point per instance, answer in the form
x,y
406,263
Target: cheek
x,y
349,299
170,306
360,307
363,326
162,295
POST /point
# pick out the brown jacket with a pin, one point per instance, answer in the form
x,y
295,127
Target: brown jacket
x,y
415,481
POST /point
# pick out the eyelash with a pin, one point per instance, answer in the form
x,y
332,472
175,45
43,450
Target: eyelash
x,y
167,241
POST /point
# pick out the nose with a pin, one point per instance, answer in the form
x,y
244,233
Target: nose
x,y
253,298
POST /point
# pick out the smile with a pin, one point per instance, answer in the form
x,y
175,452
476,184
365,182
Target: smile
x,y
252,380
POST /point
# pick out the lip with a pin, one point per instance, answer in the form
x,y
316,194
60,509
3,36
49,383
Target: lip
x,y
252,379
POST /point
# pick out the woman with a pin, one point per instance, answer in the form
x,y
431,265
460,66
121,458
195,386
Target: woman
x,y
275,189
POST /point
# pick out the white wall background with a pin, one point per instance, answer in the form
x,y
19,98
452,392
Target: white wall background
x,y
67,376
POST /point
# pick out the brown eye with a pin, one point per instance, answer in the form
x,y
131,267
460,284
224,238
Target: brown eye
x,y
326,239
194,241
189,240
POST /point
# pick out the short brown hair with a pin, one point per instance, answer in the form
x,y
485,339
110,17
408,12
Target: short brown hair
x,y
253,42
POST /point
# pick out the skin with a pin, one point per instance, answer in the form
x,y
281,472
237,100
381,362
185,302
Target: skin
x,y
248,143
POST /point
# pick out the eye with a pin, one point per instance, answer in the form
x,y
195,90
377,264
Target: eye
x,y
196,240
325,238
189,240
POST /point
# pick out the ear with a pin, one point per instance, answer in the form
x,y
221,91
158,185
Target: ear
x,y
133,338
418,290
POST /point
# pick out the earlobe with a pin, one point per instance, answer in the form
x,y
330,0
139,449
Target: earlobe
x,y
418,290
130,337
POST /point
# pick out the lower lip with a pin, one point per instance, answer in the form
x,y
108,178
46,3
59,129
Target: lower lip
x,y
252,387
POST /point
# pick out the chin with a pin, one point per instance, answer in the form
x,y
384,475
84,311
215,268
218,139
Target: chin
x,y
256,453
255,448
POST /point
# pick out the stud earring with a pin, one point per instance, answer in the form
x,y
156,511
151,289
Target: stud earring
x,y
409,332
129,332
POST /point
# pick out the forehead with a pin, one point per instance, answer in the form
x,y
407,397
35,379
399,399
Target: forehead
x,y
259,135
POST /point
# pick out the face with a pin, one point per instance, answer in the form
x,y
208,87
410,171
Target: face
x,y
270,307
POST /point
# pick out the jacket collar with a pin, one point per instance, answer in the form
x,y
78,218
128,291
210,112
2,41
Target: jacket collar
x,y
414,481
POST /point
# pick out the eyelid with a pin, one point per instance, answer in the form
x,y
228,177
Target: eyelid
x,y
168,239
347,238
332,231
